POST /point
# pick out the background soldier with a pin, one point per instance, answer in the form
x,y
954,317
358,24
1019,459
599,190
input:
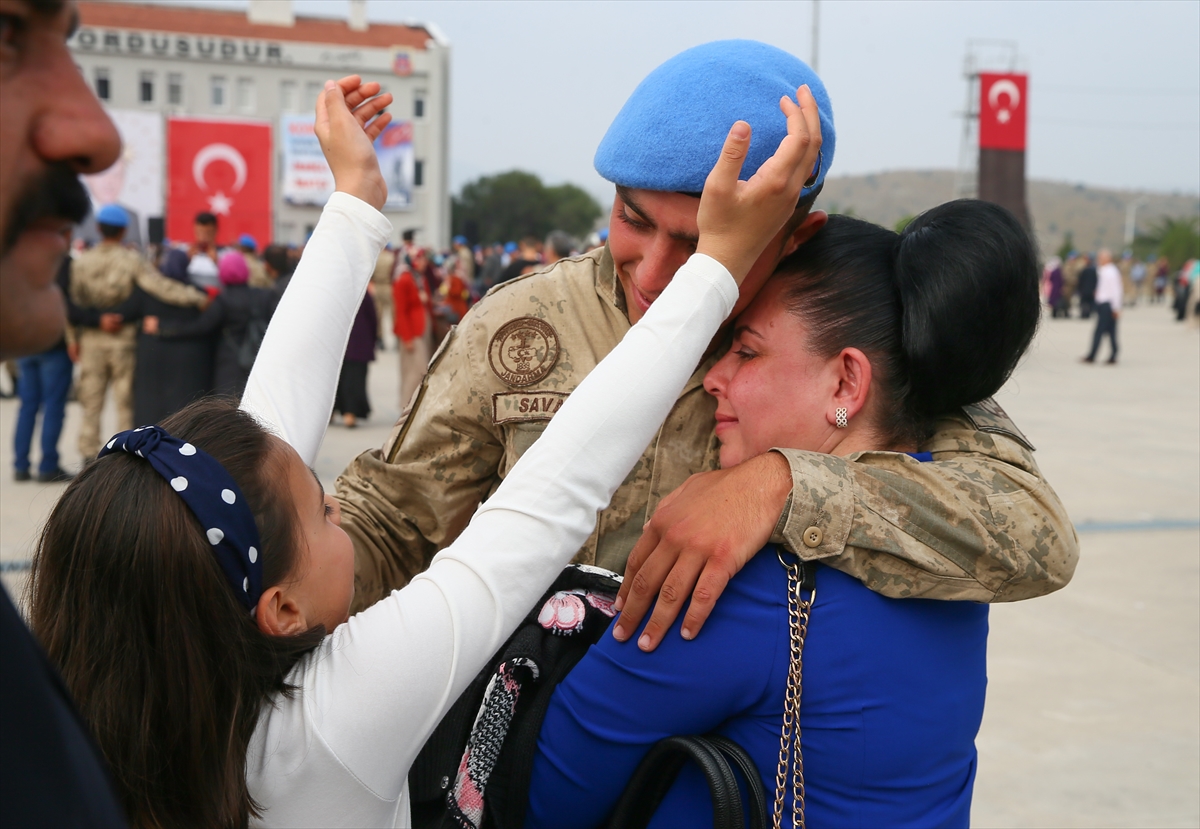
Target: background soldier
x,y
259,278
501,376
104,277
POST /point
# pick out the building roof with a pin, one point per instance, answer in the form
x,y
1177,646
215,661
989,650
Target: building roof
x,y
225,23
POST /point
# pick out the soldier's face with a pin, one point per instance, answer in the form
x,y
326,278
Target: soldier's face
x,y
651,234
51,129
771,390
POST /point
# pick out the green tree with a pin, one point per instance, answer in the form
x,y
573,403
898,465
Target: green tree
x,y
511,205
1176,239
1068,245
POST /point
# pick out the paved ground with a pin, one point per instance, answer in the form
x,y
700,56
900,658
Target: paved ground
x,y
1093,712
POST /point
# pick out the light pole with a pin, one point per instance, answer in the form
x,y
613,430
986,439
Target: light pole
x,y
816,23
1131,218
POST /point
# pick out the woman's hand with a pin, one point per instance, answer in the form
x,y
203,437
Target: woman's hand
x,y
738,218
346,132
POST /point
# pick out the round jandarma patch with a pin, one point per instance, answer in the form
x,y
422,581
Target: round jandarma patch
x,y
524,351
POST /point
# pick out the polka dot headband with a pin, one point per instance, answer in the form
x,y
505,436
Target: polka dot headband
x,y
213,497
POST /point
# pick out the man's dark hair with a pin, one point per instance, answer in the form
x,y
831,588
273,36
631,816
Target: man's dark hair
x,y
408,236
276,256
110,231
207,219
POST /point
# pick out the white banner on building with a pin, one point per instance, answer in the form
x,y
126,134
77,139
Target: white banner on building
x,y
307,178
135,181
395,150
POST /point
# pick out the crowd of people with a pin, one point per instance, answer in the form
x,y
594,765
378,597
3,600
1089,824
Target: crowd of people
x,y
780,418
1103,286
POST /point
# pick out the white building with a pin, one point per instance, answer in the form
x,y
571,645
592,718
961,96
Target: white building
x,y
266,64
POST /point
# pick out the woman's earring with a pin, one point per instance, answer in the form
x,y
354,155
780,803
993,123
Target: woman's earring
x,y
839,415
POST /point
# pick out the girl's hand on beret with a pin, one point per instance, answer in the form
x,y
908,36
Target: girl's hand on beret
x,y
738,218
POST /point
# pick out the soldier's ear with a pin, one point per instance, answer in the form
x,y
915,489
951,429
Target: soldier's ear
x,y
803,231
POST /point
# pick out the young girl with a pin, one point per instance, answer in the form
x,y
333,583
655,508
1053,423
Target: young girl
x,y
193,584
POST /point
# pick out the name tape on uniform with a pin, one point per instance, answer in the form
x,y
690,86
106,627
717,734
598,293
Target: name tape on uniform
x,y
517,406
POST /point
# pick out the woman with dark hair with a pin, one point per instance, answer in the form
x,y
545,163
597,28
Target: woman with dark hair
x,y
859,343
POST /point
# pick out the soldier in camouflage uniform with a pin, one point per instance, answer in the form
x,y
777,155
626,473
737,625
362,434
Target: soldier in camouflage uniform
x,y
978,523
104,277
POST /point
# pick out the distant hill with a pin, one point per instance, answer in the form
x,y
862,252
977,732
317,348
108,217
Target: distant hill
x,y
1094,216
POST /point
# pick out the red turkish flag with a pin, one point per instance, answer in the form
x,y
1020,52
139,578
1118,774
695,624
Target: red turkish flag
x,y
219,167
1002,104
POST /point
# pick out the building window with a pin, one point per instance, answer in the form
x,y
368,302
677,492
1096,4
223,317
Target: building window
x,y
220,92
245,94
311,90
146,87
418,173
175,89
419,105
102,90
289,96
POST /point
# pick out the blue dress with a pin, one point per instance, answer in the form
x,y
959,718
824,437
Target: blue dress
x,y
892,699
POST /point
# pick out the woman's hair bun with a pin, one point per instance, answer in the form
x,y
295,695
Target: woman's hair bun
x,y
967,275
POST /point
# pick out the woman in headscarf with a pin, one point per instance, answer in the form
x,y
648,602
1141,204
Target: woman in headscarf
x,y
237,318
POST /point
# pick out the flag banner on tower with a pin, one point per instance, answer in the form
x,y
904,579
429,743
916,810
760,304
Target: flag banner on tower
x,y
394,148
1003,102
221,167
307,178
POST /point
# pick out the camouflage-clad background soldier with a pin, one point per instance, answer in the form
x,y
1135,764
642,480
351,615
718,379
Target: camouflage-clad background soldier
x,y
980,522
102,278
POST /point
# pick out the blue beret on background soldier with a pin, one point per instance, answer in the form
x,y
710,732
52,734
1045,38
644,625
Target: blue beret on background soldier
x,y
979,523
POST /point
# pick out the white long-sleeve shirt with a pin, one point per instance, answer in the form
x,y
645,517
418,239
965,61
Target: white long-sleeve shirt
x,y
338,752
1109,287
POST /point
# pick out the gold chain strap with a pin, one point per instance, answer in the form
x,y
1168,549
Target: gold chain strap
x,y
789,735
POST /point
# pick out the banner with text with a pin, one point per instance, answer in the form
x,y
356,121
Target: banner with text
x,y
135,181
307,178
221,167
395,150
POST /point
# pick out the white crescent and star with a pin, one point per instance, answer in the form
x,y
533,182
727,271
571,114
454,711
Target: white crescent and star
x,y
1004,86
219,203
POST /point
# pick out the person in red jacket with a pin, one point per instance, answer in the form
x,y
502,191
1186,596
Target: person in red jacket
x,y
412,313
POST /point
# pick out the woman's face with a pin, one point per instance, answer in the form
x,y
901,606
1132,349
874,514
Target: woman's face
x,y
324,582
771,390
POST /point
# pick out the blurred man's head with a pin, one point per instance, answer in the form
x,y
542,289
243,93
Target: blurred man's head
x,y
275,257
52,128
1103,256
248,243
204,231
665,140
112,221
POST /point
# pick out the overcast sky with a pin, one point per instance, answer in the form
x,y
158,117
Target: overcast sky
x,y
1114,86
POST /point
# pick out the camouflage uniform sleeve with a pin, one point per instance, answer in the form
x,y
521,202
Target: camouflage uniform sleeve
x,y
168,290
403,503
977,523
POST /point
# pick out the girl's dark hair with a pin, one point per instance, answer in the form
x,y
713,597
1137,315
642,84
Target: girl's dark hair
x,y
944,309
168,669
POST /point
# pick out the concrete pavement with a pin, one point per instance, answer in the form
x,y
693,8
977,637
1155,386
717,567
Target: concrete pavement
x,y
1093,711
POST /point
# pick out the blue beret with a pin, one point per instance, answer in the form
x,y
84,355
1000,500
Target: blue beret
x,y
113,215
248,241
670,132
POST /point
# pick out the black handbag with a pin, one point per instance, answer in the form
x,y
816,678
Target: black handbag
x,y
713,753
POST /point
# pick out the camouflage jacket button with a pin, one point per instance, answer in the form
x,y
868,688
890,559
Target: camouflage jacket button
x,y
813,536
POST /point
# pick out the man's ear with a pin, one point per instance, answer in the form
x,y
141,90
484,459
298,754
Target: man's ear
x,y
278,614
854,384
814,221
